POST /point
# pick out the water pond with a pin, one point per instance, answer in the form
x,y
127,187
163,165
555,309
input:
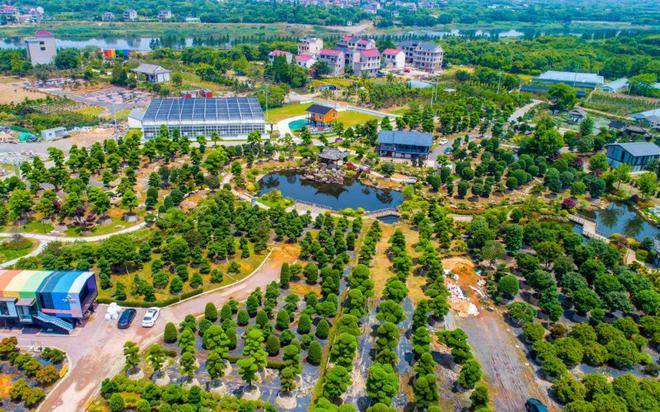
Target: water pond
x,y
623,219
352,194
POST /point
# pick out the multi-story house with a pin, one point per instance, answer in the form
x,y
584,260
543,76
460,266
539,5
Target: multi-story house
x,y
394,59
335,60
366,63
355,43
305,60
423,55
130,15
10,13
42,48
310,45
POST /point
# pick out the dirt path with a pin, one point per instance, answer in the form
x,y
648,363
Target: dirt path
x,y
96,350
510,376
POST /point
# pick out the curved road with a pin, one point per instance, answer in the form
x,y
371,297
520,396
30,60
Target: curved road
x,y
45,239
95,350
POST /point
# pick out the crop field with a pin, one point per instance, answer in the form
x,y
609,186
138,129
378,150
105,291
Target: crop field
x,y
618,104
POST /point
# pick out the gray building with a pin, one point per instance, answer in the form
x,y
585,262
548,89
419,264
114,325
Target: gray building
x,y
153,73
636,154
230,118
42,48
404,144
423,55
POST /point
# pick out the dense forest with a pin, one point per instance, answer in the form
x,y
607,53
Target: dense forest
x,y
453,11
612,58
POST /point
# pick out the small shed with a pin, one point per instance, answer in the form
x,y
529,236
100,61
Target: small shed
x,y
321,115
153,72
576,115
54,133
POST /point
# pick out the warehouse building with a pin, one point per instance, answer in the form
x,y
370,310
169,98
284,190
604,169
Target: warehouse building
x,y
586,80
48,298
230,118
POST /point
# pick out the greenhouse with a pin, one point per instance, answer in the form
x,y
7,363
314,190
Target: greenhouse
x,y
230,118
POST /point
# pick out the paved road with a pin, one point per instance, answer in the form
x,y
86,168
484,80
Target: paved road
x,y
96,349
40,248
55,238
521,111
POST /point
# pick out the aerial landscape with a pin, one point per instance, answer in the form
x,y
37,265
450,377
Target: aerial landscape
x,y
330,205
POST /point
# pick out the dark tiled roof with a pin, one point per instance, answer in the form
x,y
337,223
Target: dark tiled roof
x,y
639,148
405,137
318,109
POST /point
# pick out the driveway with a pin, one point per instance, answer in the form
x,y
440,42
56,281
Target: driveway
x,y
96,349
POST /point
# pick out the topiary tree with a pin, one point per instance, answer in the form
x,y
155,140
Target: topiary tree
x,y
131,354
211,312
470,374
116,403
314,353
382,383
272,345
304,324
322,329
283,320
242,318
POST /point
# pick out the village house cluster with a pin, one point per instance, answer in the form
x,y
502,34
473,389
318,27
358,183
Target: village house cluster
x,y
361,57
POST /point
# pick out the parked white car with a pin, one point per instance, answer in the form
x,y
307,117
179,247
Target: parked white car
x,y
150,317
443,141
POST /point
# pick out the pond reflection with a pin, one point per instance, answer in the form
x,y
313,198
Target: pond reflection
x,y
352,194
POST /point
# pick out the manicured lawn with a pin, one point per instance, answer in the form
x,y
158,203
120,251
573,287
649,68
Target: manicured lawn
x,y
116,223
349,118
35,226
13,249
290,110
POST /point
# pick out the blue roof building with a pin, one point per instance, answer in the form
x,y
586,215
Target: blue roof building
x,y
404,144
636,154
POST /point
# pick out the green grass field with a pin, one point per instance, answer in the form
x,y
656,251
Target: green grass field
x,y
13,249
349,118
290,110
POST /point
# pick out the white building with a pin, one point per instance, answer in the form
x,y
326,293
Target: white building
x,y
366,63
130,15
164,15
335,60
230,118
277,53
108,16
394,59
54,133
305,60
614,86
42,48
423,56
153,73
310,45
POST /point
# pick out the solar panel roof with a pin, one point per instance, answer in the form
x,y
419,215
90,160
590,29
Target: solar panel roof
x,y
213,109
